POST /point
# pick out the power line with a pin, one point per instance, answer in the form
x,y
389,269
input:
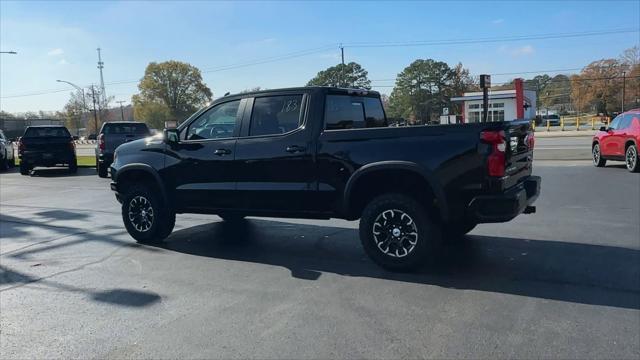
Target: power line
x,y
491,39
306,52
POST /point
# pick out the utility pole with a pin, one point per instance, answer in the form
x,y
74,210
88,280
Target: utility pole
x,y
101,66
624,74
485,84
95,112
121,108
342,68
9,52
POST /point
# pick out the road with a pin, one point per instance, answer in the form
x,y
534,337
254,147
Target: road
x,y
561,283
563,148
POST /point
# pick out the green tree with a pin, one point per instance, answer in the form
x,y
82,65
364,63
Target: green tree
x,y
348,75
153,113
422,89
176,85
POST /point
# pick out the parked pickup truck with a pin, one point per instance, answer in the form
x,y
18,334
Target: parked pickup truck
x,y
46,146
320,153
112,135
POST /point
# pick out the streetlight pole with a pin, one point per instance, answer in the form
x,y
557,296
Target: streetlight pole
x,y
624,74
84,102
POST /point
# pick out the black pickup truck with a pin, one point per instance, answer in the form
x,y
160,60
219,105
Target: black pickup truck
x,y
46,145
319,152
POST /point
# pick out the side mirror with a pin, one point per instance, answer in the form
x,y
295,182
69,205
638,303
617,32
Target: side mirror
x,y
170,136
603,128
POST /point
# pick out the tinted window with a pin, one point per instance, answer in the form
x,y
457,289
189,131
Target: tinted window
x,y
626,122
348,112
275,115
47,132
615,124
374,113
126,129
218,122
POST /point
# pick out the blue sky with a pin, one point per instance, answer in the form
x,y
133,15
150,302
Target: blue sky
x,y
57,40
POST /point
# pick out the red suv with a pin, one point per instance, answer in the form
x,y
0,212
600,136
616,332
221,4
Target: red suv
x,y
619,141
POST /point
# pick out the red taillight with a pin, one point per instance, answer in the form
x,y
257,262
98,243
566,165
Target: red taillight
x,y
496,160
101,142
72,145
20,147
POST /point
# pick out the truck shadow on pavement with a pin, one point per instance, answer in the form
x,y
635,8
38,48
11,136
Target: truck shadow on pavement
x,y
554,270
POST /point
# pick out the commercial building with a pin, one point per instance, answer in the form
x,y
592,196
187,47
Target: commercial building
x,y
517,103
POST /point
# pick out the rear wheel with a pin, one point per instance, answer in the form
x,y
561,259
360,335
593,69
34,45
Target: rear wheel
x,y
25,168
598,161
73,166
631,158
102,170
144,215
397,233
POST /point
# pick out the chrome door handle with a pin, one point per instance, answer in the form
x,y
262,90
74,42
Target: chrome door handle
x,y
296,149
221,152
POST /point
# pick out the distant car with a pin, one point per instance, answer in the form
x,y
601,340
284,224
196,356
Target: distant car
x,y
47,146
112,135
554,120
7,159
619,141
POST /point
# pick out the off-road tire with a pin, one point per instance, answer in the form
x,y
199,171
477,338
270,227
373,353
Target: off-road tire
x,y
427,242
164,218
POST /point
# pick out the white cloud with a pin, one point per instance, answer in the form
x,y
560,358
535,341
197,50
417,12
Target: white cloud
x,y
63,62
524,50
55,52
497,21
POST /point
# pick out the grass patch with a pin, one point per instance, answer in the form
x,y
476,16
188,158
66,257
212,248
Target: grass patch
x,y
83,161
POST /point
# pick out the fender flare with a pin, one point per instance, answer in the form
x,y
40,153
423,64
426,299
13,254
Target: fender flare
x,y
147,169
427,175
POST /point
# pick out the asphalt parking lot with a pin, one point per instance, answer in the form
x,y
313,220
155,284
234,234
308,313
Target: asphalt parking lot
x,y
561,283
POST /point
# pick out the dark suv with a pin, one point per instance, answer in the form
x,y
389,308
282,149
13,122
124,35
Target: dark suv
x,y
112,135
319,153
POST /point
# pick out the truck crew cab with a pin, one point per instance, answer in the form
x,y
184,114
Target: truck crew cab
x,y
320,153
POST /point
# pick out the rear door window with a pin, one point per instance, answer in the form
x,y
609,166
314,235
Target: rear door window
x,y
47,132
273,115
353,112
126,129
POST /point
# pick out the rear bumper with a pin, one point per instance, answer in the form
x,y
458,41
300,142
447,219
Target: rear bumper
x,y
505,206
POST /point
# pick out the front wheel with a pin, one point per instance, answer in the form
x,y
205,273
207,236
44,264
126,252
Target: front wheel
x,y
598,161
397,233
144,215
631,158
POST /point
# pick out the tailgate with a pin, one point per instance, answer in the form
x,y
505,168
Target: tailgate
x,y
52,144
519,152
